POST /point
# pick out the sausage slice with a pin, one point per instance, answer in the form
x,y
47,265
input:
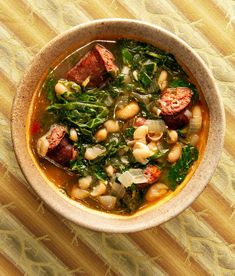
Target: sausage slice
x,y
174,100
95,65
55,146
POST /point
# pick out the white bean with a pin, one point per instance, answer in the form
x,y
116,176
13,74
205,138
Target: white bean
x,y
173,135
94,152
162,80
42,146
128,112
78,193
156,191
141,152
112,126
175,153
194,138
99,189
73,134
140,132
101,134
60,89
85,182
110,170
108,202
195,123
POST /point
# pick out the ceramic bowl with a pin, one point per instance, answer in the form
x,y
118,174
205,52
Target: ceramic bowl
x,y
55,51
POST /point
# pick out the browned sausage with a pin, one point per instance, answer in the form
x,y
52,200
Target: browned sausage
x,y
60,149
55,135
152,173
177,121
174,100
95,64
63,153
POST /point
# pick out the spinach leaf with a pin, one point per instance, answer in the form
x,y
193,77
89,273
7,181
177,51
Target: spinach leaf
x,y
128,133
179,170
84,115
126,56
132,199
49,87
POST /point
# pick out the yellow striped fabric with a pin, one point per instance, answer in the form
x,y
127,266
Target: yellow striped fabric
x,y
34,240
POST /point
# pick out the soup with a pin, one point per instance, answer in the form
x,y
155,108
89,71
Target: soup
x,y
118,125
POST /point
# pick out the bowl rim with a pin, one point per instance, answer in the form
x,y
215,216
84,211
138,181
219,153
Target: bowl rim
x,y
104,223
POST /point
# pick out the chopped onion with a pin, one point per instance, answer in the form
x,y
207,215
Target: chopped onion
x,y
156,125
195,125
117,189
108,101
108,202
126,179
125,72
135,176
138,176
94,152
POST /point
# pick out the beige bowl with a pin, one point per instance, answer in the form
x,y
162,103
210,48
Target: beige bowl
x,y
57,50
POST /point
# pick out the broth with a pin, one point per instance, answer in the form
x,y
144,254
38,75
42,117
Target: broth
x,y
140,86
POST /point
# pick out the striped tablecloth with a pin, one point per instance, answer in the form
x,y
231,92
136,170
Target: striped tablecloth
x,y
33,240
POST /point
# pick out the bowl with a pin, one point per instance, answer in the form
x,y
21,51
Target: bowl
x,y
54,52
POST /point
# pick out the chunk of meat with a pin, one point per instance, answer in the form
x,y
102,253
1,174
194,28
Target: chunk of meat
x,y
174,100
63,153
56,146
95,65
152,173
177,121
140,121
55,135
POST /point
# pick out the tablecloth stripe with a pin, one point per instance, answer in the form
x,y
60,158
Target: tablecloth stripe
x,y
201,236
42,221
7,267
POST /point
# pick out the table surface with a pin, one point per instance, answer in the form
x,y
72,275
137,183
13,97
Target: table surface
x,y
35,241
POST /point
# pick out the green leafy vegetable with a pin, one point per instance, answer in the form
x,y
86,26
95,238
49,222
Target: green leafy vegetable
x,y
49,87
179,170
126,56
132,199
128,133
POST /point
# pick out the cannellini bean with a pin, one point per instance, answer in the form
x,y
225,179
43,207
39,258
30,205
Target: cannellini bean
x,y
99,189
85,182
141,152
173,136
156,191
42,146
108,202
140,132
112,126
78,193
110,170
128,112
101,134
194,138
60,89
94,152
162,80
73,134
195,123
175,153
153,146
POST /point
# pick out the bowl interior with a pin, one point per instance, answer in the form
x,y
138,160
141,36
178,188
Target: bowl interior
x,y
54,52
